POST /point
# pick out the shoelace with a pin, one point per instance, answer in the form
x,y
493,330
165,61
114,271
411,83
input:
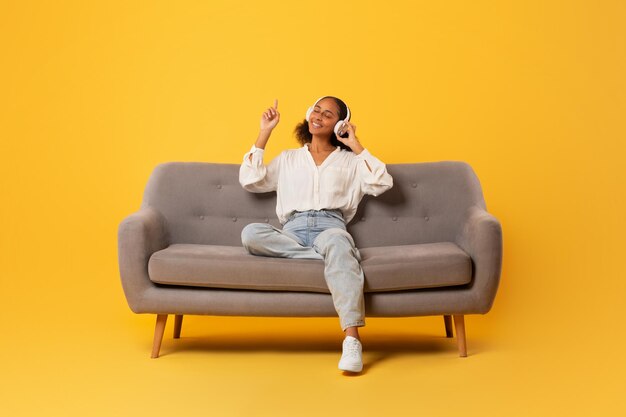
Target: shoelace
x,y
352,348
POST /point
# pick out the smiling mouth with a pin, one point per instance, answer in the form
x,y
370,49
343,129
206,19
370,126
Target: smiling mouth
x,y
315,124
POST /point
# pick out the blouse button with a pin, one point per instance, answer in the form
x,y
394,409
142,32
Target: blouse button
x,y
219,186
426,218
414,185
394,218
234,219
201,217
267,220
362,219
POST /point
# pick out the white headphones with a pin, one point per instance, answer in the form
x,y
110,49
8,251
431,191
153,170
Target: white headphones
x,y
338,125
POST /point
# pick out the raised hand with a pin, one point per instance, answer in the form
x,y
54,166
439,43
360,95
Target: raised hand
x,y
352,141
269,120
270,117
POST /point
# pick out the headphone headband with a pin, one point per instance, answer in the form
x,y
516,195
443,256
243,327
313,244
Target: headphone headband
x,y
323,97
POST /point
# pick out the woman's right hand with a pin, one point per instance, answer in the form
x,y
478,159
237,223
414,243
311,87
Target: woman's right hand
x,y
270,117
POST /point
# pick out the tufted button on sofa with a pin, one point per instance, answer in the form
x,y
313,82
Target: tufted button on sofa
x,y
428,247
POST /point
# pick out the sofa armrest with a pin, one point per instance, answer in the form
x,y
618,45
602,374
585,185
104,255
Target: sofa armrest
x,y
481,237
139,236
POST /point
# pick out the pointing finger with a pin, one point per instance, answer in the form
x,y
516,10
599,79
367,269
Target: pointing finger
x,y
275,103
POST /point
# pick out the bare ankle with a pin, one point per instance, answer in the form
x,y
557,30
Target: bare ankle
x,y
352,331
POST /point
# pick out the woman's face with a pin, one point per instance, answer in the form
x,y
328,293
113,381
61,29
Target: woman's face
x,y
324,117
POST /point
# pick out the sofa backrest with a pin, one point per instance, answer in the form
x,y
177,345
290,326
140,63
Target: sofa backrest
x,y
203,203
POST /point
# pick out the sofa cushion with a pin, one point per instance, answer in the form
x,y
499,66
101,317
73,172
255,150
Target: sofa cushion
x,y
388,268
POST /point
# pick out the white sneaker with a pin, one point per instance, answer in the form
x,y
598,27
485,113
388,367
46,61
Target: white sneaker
x,y
352,356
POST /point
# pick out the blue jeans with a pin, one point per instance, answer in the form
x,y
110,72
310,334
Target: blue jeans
x,y
317,234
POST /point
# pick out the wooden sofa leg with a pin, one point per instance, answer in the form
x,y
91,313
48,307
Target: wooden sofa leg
x,y
459,324
159,329
448,322
178,325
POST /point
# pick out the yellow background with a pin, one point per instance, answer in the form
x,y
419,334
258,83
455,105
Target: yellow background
x,y
95,94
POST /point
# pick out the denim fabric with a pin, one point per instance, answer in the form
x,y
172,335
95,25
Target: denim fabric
x,y
317,234
307,225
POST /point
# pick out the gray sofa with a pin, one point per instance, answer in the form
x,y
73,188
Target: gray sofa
x,y
428,247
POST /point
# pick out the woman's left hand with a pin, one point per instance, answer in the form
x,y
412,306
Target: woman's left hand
x,y
351,141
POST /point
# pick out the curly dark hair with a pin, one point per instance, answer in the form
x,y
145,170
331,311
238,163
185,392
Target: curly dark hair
x,y
304,136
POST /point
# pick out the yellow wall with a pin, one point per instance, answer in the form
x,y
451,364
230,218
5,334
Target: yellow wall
x,y
532,94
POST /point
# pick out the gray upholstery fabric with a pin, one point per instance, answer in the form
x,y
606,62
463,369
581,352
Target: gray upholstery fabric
x,y
436,203
389,268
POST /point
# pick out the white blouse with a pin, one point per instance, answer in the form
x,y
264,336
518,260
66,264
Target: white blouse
x,y
340,182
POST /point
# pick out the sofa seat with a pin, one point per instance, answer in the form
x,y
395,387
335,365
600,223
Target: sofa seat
x,y
388,268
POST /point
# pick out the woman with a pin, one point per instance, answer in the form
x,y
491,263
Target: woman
x,y
319,187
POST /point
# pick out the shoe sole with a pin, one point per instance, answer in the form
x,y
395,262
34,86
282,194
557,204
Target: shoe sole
x,y
347,368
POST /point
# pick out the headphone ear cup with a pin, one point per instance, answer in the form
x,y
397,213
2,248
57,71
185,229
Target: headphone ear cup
x,y
338,126
308,113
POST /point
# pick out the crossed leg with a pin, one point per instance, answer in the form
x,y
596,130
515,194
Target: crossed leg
x,y
344,277
266,240
342,270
